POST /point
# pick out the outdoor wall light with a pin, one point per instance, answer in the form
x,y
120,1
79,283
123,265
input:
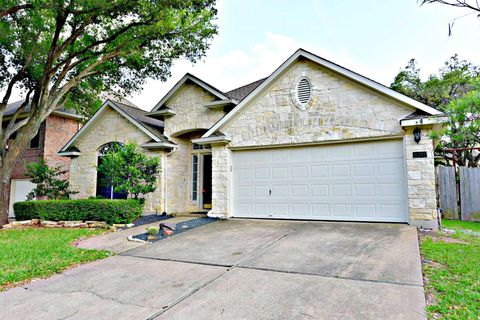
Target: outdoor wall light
x,y
417,135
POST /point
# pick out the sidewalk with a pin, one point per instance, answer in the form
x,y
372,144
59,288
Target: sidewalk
x,y
117,241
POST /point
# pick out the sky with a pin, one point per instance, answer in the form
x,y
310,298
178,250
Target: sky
x,y
375,38
372,37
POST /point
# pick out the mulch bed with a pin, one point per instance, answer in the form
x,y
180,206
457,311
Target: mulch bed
x,y
150,218
179,228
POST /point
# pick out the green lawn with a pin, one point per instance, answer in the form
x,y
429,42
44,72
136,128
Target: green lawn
x,y
451,265
461,225
31,253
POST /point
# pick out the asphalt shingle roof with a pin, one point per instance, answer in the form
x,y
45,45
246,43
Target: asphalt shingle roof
x,y
155,126
13,107
241,92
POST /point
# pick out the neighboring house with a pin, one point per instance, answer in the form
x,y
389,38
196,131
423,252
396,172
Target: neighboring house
x,y
311,141
54,132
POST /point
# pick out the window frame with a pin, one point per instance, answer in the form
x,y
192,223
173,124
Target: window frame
x,y
194,179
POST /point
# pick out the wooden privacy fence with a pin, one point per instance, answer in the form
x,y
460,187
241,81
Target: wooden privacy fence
x,y
459,199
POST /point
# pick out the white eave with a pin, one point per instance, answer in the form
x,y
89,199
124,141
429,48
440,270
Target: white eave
x,y
69,153
300,53
220,103
212,140
423,121
67,115
166,112
159,145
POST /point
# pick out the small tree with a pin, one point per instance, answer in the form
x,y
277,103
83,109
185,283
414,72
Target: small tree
x,y
462,130
128,170
48,183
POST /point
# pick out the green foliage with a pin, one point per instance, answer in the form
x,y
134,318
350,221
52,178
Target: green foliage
x,y
455,90
106,45
31,253
48,185
110,211
454,80
452,274
152,231
128,170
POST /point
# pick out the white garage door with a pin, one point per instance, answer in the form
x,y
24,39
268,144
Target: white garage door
x,y
19,188
352,181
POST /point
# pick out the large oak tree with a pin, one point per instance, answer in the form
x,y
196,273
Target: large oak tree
x,y
63,53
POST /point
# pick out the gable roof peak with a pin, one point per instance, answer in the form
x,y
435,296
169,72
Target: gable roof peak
x,y
190,77
376,86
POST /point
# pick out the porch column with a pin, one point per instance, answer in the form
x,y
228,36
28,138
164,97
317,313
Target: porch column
x,y
422,195
220,181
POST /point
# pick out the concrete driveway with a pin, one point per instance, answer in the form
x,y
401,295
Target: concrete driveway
x,y
242,269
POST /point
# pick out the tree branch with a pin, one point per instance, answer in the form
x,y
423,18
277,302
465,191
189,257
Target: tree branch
x,y
15,9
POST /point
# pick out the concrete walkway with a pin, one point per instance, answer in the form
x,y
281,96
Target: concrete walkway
x,y
117,241
242,269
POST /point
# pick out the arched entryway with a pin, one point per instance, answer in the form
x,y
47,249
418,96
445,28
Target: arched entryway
x,y
106,191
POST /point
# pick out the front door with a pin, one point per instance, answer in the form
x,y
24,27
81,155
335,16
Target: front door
x,y
207,182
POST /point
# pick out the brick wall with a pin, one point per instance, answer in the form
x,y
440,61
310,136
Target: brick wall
x,y
58,131
29,155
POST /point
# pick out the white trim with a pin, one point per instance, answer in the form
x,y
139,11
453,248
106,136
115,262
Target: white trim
x,y
67,115
195,80
69,153
423,121
214,139
219,103
163,112
329,65
159,145
97,114
316,143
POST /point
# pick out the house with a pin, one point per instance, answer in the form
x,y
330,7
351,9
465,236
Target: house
x,y
311,141
54,132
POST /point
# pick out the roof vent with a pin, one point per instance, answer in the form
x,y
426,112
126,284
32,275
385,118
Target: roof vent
x,y
304,91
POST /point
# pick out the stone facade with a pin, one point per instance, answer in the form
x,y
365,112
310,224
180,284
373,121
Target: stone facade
x,y
179,168
422,197
339,110
220,180
110,126
190,114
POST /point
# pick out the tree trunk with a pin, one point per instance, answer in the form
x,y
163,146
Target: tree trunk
x,y
4,199
10,155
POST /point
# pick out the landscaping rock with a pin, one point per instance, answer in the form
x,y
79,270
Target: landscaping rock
x,y
21,223
49,224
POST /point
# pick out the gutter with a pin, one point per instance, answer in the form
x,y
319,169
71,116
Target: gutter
x,y
423,121
159,145
212,140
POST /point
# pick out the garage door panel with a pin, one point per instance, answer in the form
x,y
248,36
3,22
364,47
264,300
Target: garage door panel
x,y
299,172
319,190
341,170
280,191
356,181
279,173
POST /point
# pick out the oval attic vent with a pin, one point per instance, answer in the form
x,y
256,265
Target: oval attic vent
x,y
304,91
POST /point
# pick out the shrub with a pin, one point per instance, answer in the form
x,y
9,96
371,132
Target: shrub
x,y
47,182
152,231
110,211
